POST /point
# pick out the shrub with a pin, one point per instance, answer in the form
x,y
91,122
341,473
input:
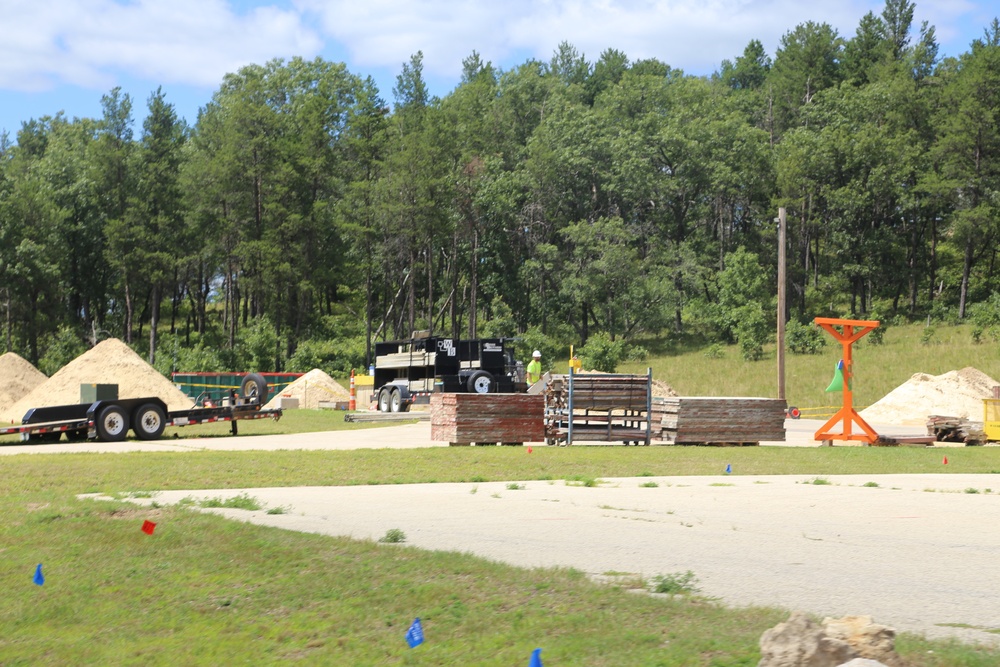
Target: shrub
x,y
804,338
715,351
752,331
679,583
393,536
603,354
62,347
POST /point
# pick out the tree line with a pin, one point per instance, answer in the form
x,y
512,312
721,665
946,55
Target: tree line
x,y
299,218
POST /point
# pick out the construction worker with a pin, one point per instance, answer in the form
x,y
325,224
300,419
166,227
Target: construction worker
x,y
534,370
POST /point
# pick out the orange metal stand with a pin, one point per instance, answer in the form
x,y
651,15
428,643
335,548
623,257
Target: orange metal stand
x,y
846,336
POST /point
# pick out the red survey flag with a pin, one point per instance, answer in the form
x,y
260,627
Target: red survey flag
x,y
148,527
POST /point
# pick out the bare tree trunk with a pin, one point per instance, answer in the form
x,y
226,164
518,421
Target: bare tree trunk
x,y
154,321
128,313
966,270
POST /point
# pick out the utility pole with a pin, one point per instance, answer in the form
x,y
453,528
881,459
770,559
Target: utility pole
x,y
782,223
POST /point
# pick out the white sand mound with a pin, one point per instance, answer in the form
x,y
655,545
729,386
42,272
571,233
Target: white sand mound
x,y
17,378
310,389
955,394
110,362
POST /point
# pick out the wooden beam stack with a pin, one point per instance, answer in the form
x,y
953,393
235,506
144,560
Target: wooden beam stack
x,y
700,420
466,419
598,408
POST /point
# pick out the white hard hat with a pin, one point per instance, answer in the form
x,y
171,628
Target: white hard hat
x,y
536,353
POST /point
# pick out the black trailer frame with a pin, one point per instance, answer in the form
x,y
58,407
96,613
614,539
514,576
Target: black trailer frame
x,y
147,417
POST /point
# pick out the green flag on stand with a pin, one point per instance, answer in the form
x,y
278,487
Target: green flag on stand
x,y
837,383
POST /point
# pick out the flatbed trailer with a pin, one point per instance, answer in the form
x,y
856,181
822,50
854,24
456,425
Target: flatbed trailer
x,y
147,417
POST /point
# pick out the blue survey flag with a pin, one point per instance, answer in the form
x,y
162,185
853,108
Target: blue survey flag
x,y
729,468
415,635
39,577
536,658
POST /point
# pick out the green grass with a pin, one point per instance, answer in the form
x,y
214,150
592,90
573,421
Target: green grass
x,y
878,368
206,590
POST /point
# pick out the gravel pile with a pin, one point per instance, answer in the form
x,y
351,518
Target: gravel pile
x,y
17,378
110,362
310,389
954,394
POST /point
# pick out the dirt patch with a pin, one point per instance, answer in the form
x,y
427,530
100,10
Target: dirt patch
x,y
110,362
955,394
310,389
19,377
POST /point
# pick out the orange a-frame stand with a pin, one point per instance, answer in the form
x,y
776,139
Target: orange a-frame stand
x,y
846,336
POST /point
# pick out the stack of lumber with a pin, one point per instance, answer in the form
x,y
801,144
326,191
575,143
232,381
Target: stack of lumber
x,y
699,420
406,359
465,419
955,429
600,391
597,408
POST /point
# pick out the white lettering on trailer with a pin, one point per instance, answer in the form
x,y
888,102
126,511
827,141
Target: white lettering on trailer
x,y
447,345
491,347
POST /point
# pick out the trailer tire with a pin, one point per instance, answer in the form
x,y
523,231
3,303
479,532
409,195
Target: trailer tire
x,y
481,382
383,399
148,421
112,424
396,401
254,386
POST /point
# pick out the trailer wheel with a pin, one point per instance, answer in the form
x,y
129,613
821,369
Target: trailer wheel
x,y
254,386
383,399
396,401
480,382
148,421
112,424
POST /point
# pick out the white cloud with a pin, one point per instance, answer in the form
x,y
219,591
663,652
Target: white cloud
x,y
89,42
695,34
92,43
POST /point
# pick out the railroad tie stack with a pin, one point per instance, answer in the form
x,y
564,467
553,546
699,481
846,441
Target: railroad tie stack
x,y
699,420
467,419
597,408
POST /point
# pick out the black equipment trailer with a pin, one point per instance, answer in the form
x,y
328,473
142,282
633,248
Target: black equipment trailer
x,y
110,420
408,369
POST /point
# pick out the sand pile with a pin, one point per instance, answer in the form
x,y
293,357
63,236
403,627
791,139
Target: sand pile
x,y
955,394
17,378
662,390
310,389
110,362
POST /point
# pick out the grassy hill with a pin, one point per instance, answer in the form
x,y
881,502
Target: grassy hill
x,y
878,368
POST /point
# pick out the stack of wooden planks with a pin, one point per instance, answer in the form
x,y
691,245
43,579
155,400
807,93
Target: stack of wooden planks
x,y
598,408
701,420
466,419
955,429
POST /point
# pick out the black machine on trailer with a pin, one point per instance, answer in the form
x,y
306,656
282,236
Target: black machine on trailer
x,y
110,420
408,369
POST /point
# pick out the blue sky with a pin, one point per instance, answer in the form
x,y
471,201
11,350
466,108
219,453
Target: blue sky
x,y
63,55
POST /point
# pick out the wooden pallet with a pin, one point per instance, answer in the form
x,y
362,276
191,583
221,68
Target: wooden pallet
x,y
699,420
589,407
465,419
